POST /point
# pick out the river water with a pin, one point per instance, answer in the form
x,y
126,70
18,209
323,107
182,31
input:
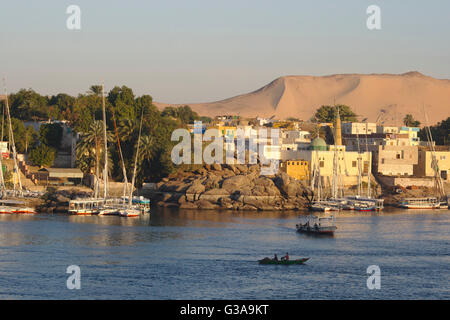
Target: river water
x,y
176,254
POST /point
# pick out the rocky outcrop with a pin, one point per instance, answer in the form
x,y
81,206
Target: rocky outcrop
x,y
230,187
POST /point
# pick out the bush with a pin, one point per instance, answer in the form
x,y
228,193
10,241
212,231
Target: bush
x,y
42,156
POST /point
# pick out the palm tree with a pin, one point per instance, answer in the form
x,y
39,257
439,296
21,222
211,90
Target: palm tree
x,y
128,129
90,150
95,90
409,121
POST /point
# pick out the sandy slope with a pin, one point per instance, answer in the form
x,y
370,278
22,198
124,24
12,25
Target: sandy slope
x,y
386,95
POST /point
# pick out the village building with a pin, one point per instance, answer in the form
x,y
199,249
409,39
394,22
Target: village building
x,y
395,160
354,128
322,156
297,169
413,135
355,142
424,167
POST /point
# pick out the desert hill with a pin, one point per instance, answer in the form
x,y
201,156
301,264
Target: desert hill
x,y
386,97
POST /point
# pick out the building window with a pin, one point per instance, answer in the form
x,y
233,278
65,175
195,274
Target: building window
x,y
354,164
397,156
322,164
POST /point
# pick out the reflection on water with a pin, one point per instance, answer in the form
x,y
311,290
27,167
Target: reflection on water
x,y
189,254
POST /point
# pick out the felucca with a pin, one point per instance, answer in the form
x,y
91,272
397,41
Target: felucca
x,y
17,192
440,201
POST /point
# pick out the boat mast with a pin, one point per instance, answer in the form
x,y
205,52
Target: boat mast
x,y
105,170
359,162
368,165
11,138
130,200
439,186
2,179
124,170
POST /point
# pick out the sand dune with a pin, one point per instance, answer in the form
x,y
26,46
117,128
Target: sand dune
x,y
387,97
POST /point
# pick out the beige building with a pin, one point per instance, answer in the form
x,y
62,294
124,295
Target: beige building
x,y
359,128
387,129
353,141
424,166
395,160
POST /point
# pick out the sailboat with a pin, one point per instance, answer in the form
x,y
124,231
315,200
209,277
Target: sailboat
x,y
128,205
96,205
440,201
138,202
12,205
316,179
359,202
130,210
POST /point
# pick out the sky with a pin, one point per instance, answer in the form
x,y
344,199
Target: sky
x,y
185,51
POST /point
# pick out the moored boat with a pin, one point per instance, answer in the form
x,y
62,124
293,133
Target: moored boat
x,y
319,207
24,210
420,203
14,207
317,225
88,206
129,212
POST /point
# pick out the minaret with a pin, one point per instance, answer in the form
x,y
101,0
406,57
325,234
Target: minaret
x,y
338,129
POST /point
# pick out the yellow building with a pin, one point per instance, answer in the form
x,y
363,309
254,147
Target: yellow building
x,y
297,169
225,131
424,167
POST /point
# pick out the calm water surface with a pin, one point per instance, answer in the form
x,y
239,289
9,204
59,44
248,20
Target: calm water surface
x,y
175,254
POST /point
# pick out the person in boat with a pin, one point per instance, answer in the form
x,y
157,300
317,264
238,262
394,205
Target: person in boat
x,y
286,257
275,258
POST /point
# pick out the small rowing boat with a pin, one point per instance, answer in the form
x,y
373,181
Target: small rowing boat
x,y
285,262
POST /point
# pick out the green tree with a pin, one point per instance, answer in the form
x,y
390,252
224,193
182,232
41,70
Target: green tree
x,y
329,113
51,134
409,121
42,155
122,101
19,132
28,105
184,114
440,133
30,138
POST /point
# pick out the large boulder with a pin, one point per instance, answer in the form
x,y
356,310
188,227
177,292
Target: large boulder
x,y
242,168
196,188
212,182
282,182
205,204
188,205
235,183
217,191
